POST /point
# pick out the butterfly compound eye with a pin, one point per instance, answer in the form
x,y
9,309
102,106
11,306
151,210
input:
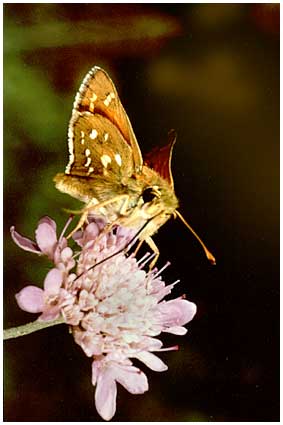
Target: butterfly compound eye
x,y
148,195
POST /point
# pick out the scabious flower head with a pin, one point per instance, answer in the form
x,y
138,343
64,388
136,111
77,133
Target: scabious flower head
x,y
114,307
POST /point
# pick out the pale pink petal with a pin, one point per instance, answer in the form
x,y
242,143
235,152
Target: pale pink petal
x,y
151,361
91,232
151,344
132,378
46,238
105,395
78,237
49,221
57,251
176,312
125,233
24,243
90,343
66,254
50,313
161,291
53,281
176,330
98,220
30,299
95,369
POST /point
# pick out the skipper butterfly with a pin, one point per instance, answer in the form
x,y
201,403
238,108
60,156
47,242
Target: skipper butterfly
x,y
106,169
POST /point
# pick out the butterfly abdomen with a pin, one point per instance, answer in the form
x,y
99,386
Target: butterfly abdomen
x,y
85,189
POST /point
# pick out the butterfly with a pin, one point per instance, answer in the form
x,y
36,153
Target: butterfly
x,y
106,169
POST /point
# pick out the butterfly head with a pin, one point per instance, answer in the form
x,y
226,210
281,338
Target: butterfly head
x,y
157,200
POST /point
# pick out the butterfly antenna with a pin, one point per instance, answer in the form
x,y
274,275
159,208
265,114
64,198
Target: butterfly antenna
x,y
208,254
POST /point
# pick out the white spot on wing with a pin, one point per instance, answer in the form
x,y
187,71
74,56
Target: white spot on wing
x,y
109,99
118,159
91,101
90,170
87,152
106,102
93,134
83,88
105,159
82,137
88,161
106,136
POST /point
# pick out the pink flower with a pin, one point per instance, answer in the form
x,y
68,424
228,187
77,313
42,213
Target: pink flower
x,y
105,374
46,239
115,308
48,301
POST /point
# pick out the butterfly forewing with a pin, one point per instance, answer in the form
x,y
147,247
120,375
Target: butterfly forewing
x,y
100,149
98,96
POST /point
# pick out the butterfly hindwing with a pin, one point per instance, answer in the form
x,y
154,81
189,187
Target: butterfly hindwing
x,y
159,159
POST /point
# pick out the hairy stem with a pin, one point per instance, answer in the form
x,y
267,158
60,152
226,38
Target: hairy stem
x,y
30,327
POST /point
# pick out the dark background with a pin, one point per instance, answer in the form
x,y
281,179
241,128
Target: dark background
x,y
212,73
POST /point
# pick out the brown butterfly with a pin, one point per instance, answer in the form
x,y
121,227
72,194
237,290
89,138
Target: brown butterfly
x,y
106,169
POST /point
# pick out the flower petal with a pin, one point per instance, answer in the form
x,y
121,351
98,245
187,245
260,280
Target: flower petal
x,y
45,235
53,281
66,254
176,312
49,221
124,233
132,378
151,344
151,361
91,344
95,368
176,330
159,290
24,243
91,231
30,299
105,395
50,313
78,237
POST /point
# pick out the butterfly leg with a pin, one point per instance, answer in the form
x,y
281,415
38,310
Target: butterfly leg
x,y
138,247
124,207
154,248
122,211
81,222
93,206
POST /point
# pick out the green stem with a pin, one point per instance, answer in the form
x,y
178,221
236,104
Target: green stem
x,y
30,327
